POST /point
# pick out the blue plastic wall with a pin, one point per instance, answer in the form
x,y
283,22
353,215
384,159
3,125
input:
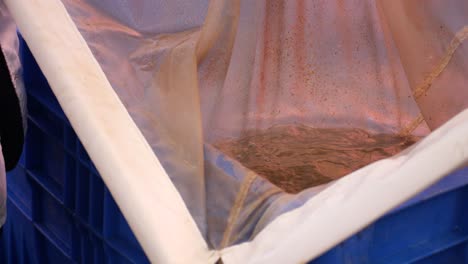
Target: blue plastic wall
x,y
60,211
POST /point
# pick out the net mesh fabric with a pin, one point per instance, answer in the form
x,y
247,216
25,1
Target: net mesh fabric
x,y
368,70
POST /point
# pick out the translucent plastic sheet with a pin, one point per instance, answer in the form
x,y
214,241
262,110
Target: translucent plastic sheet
x,y
324,64
288,66
430,36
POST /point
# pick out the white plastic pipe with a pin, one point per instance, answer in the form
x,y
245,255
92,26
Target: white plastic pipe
x,y
122,156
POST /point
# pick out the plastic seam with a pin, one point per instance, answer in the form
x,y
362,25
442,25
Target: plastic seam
x,y
421,89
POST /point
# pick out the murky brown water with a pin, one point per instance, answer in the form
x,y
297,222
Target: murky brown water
x,y
295,158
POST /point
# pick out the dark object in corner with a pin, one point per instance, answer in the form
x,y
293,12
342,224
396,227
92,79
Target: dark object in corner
x,y
11,125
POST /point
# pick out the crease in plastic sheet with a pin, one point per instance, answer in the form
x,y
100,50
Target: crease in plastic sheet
x,y
325,64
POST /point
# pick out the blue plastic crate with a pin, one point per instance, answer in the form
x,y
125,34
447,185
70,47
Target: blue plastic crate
x,y
60,211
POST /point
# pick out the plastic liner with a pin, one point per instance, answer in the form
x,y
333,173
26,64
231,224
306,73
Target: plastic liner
x,y
430,36
254,65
